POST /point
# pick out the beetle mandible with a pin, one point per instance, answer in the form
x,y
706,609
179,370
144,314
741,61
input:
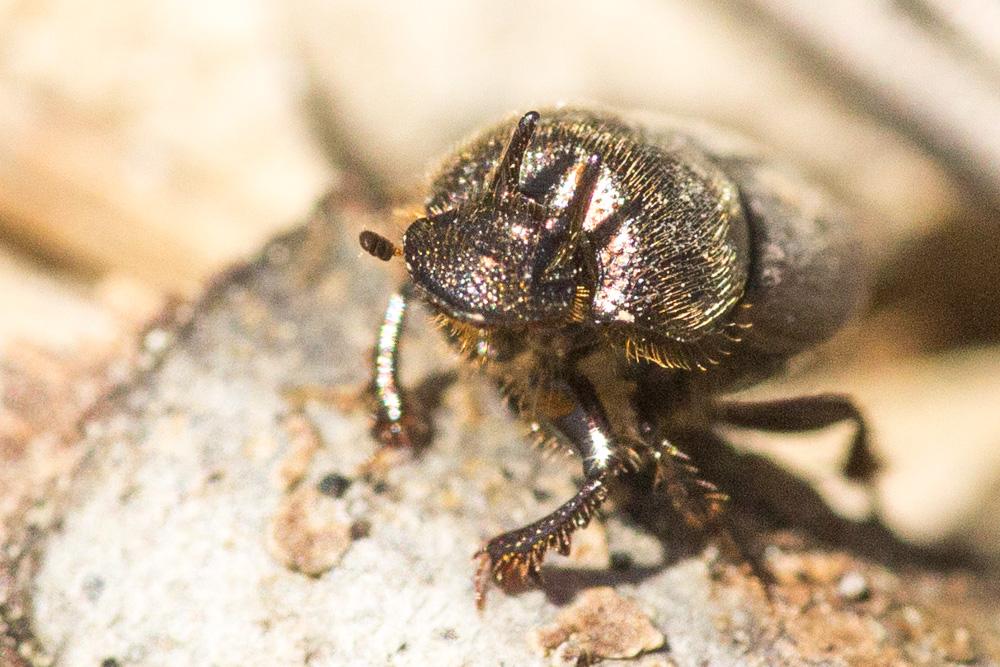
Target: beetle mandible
x,y
611,275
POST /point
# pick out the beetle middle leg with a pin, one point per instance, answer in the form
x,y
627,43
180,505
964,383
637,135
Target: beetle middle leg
x,y
573,414
396,422
698,501
807,413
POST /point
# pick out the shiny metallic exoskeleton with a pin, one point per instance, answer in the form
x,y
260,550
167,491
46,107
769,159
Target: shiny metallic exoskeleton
x,y
615,277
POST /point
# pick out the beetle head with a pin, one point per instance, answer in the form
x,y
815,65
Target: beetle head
x,y
503,258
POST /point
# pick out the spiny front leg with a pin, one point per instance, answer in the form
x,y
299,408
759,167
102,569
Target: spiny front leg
x,y
582,424
395,424
520,552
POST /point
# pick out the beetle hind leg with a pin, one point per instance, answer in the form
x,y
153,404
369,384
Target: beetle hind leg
x,y
808,413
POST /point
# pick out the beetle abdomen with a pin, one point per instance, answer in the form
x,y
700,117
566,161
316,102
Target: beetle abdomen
x,y
808,272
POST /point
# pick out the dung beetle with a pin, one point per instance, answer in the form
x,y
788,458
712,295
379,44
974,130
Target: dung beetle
x,y
616,277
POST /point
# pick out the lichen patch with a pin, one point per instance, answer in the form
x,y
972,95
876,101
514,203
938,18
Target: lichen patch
x,y
310,532
600,623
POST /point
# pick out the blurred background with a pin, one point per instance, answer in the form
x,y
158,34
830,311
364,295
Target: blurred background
x,y
145,145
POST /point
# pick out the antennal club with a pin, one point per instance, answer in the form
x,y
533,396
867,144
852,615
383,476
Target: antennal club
x,y
377,245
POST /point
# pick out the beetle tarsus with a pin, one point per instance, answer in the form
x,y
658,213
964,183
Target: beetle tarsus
x,y
698,501
407,432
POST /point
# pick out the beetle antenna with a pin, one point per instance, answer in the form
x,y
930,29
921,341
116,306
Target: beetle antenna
x,y
377,245
508,172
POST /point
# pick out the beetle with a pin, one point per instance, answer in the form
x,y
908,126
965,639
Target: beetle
x,y
616,277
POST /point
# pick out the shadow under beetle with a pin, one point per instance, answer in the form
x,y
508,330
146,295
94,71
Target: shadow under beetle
x,y
615,278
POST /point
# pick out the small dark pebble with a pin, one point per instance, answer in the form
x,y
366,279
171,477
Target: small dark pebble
x,y
541,495
379,487
360,529
92,587
110,662
334,485
621,561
